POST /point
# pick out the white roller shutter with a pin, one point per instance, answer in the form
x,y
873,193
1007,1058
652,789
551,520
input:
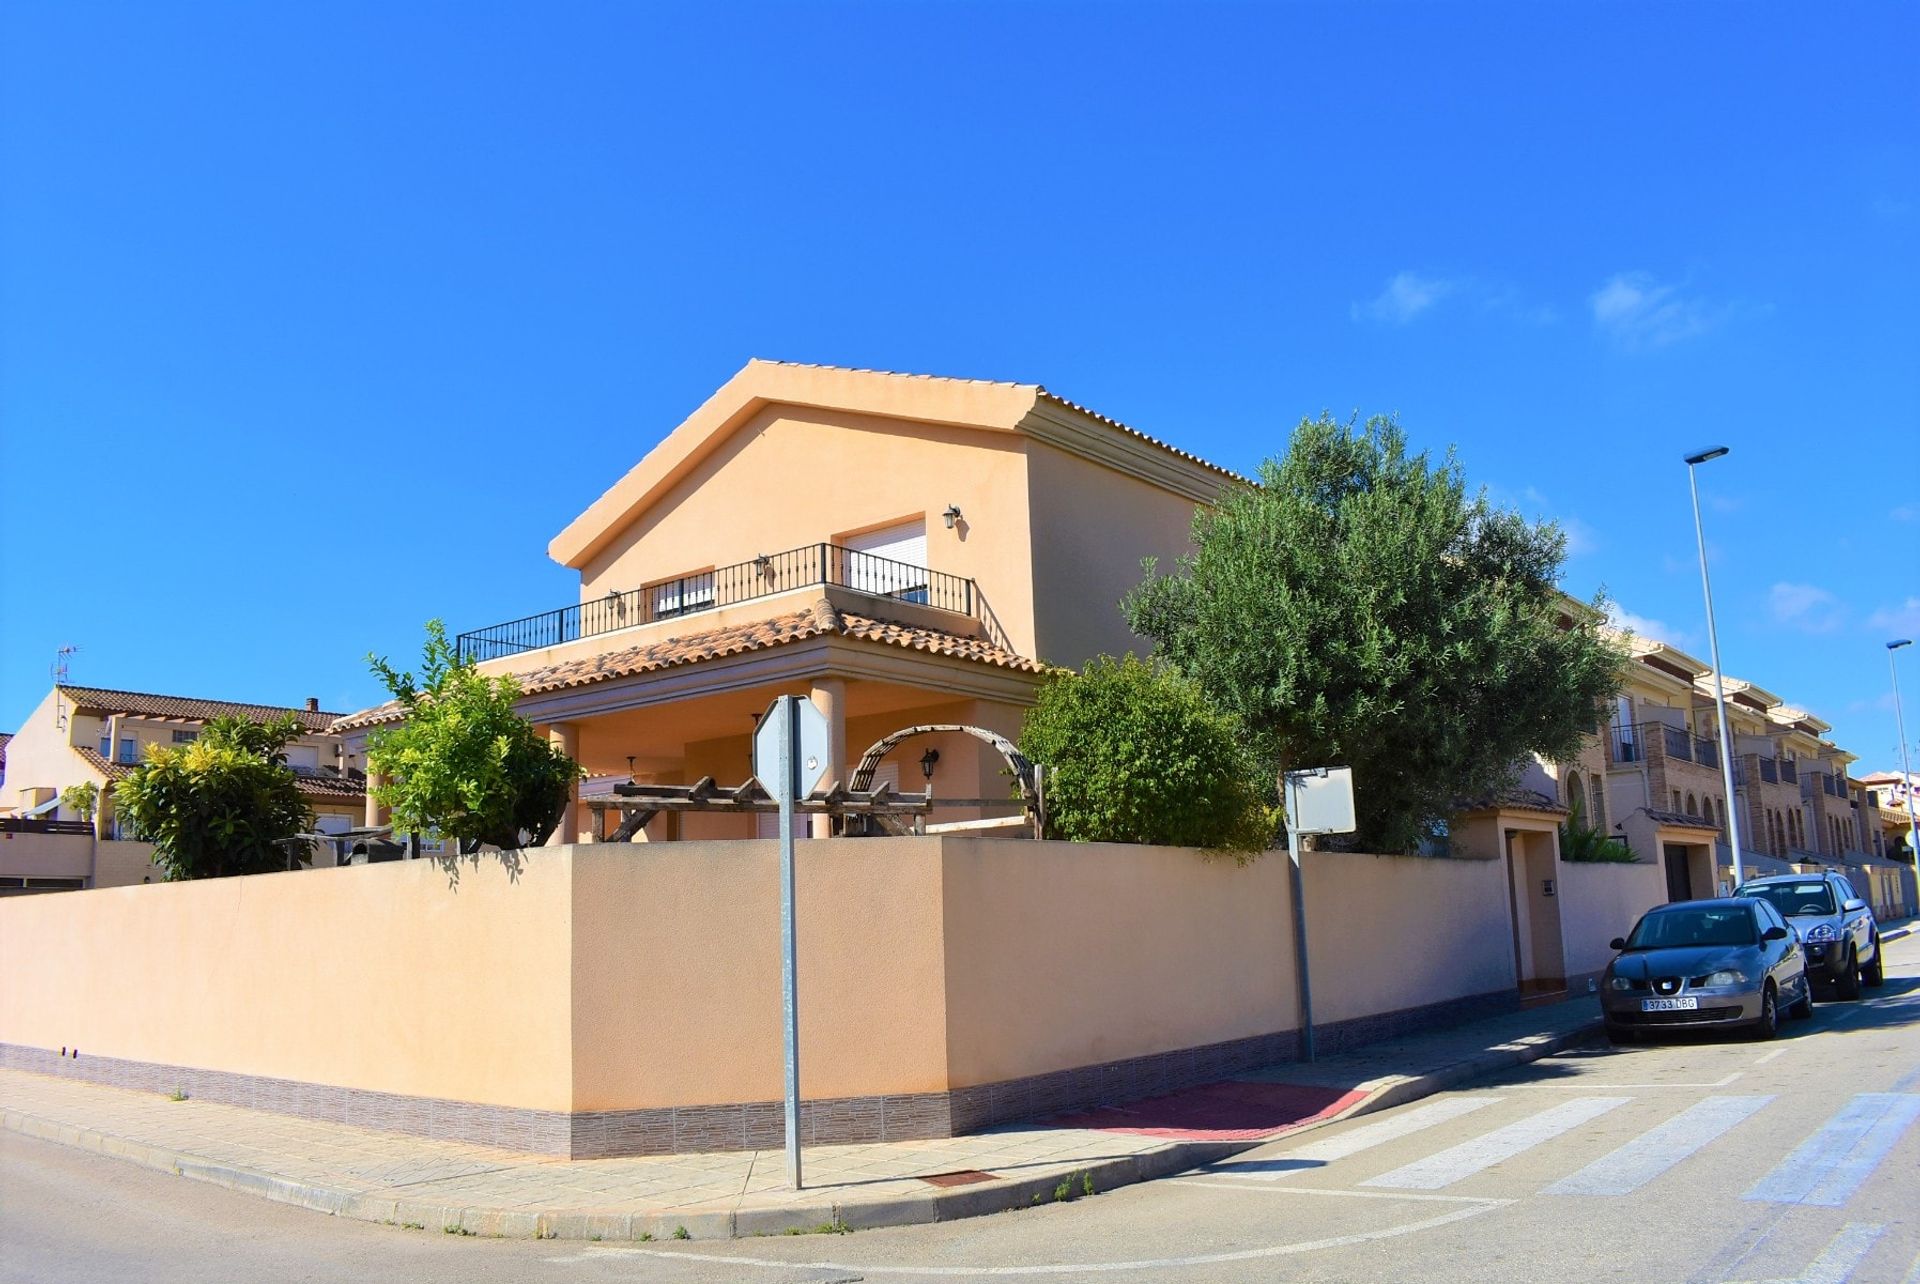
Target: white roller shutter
x,y
904,549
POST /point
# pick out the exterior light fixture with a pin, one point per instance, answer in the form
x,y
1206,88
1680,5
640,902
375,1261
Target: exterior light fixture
x,y
1719,687
952,515
763,564
927,761
1906,769
630,758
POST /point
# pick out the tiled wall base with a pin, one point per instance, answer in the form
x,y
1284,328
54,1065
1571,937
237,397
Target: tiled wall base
x,y
749,1125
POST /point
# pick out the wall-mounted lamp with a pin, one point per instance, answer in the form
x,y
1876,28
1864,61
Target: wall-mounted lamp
x,y
952,515
763,564
630,768
927,761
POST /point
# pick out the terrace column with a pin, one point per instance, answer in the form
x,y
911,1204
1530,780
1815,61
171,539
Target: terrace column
x,y
565,736
829,696
373,808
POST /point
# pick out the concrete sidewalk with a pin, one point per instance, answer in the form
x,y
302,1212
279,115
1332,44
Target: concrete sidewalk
x,y
383,1177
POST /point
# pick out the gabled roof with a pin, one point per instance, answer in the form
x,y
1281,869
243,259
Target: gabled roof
x,y
990,406
736,639
104,701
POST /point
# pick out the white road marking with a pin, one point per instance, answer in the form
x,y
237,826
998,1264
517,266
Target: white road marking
x,y
1655,1151
1397,1196
1457,1163
1840,1258
1913,1273
1365,1137
1615,1087
1058,1268
1770,1056
1826,1168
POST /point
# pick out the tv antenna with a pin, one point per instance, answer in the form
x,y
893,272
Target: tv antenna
x,y
58,672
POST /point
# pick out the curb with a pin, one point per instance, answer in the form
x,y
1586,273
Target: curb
x,y
827,1215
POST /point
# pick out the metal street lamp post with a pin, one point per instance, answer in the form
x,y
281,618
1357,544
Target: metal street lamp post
x,y
1719,687
1900,721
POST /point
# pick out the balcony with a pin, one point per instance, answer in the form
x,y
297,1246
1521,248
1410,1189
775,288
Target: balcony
x,y
766,576
1769,771
1789,772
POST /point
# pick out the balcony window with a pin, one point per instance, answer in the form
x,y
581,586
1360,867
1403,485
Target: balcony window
x,y
680,596
185,737
129,752
891,562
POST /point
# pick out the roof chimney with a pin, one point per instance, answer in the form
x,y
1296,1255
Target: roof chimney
x,y
313,704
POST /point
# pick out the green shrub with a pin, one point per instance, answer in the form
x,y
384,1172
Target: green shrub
x,y
1136,754
1581,842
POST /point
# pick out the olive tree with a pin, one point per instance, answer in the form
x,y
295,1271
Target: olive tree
x,y
1359,607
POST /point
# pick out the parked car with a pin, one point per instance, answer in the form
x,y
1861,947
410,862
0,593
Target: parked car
x,y
1837,928
1727,963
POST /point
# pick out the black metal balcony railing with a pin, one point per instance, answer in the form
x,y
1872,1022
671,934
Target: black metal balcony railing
x,y
1789,772
1769,771
1829,788
1678,743
764,576
1706,752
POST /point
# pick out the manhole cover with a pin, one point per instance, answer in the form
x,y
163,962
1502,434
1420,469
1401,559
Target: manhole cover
x,y
964,1178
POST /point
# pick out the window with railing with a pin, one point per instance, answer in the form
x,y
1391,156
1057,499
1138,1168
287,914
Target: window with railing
x,y
764,576
1769,772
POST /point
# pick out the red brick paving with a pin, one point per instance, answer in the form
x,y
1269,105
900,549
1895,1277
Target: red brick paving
x,y
1231,1111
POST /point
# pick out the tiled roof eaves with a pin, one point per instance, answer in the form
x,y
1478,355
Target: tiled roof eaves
x,y
1040,390
1135,433
191,708
1680,819
323,784
716,644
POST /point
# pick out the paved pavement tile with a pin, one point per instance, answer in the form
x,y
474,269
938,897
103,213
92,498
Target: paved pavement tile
x,y
353,1161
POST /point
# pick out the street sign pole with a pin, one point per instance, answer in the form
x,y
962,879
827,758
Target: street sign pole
x,y
1318,800
790,757
1299,928
786,769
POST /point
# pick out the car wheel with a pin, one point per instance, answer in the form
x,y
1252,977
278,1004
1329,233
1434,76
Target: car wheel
x,y
1768,1024
1846,982
1803,1010
1874,973
1619,1034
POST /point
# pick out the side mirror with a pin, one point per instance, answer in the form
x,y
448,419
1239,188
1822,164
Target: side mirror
x,y
1617,944
1774,934
1853,906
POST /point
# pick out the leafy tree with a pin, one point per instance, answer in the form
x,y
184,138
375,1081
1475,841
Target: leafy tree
x,y
464,762
83,798
225,804
1137,754
1358,607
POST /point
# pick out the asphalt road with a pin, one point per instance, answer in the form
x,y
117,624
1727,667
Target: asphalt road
x,y
1706,1161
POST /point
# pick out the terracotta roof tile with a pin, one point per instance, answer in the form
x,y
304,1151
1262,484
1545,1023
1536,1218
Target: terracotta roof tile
x,y
1680,819
1515,800
737,639
103,700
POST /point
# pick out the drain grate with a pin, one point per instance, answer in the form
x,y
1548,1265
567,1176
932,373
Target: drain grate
x,y
966,1177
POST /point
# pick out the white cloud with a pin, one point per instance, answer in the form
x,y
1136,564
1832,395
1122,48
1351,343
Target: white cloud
x,y
1805,606
1637,311
1405,297
1581,538
1903,619
1906,513
1641,626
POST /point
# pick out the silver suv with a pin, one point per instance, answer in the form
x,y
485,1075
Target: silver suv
x,y
1841,938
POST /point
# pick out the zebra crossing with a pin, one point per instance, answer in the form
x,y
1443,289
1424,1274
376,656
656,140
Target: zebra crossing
x,y
1824,1170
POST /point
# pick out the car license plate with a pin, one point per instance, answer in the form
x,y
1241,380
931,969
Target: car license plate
x,y
1669,1005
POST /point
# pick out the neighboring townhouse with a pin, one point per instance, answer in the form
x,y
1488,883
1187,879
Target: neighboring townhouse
x,y
902,549
91,734
1886,799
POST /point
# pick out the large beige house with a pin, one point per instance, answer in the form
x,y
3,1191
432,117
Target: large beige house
x,y
92,735
901,549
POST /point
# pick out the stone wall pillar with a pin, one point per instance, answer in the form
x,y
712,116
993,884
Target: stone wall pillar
x,y
375,814
565,736
829,696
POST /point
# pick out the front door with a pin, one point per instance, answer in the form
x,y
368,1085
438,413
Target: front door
x,y
1679,877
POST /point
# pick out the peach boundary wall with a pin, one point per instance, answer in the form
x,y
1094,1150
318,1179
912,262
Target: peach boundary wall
x,y
596,1000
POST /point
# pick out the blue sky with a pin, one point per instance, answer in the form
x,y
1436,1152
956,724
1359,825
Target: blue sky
x,y
317,321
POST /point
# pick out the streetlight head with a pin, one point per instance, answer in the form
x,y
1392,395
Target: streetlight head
x,y
1711,452
1897,643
